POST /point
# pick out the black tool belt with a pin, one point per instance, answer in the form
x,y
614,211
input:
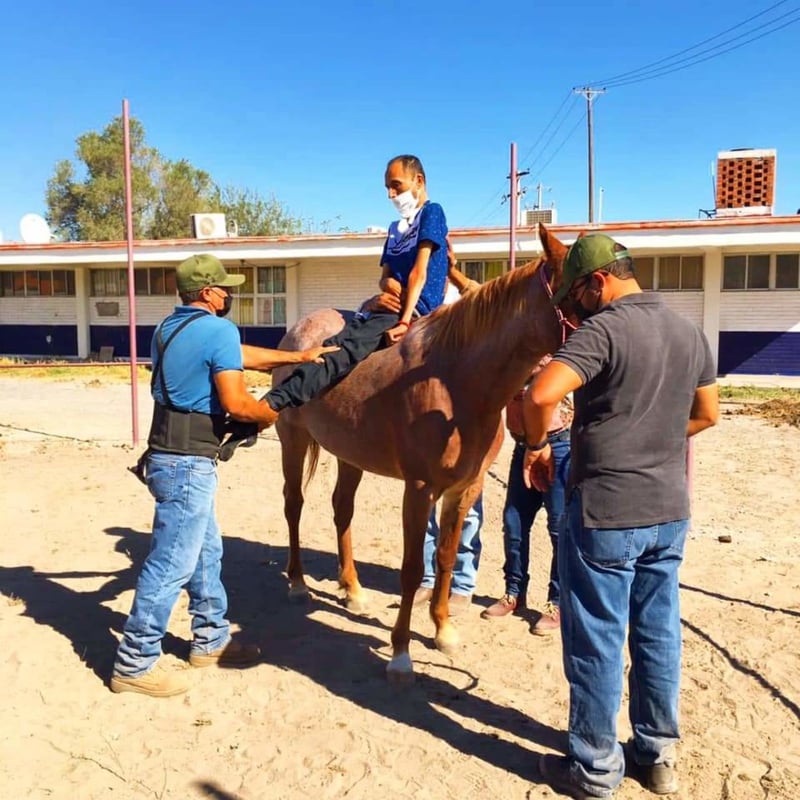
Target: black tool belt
x,y
188,433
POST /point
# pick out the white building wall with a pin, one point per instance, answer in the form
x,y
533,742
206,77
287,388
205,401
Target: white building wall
x,y
38,311
687,304
150,310
336,283
760,311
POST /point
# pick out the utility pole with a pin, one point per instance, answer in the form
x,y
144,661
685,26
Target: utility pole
x,y
514,197
589,93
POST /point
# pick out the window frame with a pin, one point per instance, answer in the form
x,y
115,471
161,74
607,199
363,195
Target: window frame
x,y
772,272
18,282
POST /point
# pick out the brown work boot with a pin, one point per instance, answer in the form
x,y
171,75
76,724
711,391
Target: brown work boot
x,y
159,682
658,778
459,603
422,595
557,773
232,654
549,622
506,605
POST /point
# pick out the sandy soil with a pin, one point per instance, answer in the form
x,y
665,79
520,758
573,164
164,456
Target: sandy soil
x,y
317,718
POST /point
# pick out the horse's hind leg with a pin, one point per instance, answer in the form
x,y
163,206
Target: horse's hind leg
x,y
295,441
349,477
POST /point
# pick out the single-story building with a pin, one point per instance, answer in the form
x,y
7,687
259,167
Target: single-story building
x,y
736,277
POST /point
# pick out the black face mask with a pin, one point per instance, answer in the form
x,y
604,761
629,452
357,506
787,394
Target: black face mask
x,y
581,312
226,307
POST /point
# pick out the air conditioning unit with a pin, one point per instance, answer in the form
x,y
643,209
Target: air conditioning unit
x,y
209,226
533,216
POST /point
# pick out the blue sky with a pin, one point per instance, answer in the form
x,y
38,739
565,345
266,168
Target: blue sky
x,y
308,100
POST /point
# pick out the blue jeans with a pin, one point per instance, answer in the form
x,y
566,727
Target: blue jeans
x,y
465,570
185,550
519,512
611,579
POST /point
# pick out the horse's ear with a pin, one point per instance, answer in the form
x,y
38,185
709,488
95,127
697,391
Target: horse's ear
x,y
554,249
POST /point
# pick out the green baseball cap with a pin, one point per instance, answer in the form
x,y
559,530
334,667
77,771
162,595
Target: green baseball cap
x,y
588,254
197,272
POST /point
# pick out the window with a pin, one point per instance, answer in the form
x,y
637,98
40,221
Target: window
x,y
670,273
758,272
761,271
153,281
63,283
645,271
261,299
734,269
483,271
691,272
38,283
787,271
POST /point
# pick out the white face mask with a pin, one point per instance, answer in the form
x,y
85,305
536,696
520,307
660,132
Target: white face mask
x,y
406,204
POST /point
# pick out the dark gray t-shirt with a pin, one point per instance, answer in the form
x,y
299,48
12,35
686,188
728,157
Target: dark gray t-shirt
x,y
641,364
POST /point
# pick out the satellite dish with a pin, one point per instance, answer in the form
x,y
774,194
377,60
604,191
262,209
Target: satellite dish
x,y
34,229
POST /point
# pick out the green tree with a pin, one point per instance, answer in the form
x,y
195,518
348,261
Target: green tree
x,y
90,206
253,214
184,190
93,209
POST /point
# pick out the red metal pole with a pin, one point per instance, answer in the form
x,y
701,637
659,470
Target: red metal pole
x,y
512,205
131,288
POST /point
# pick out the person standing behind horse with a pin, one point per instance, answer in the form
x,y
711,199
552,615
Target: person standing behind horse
x,y
520,509
197,362
414,262
644,380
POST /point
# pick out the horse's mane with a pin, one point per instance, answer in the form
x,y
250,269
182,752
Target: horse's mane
x,y
470,320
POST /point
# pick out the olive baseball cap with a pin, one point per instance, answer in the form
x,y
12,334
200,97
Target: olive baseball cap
x,y
197,272
588,254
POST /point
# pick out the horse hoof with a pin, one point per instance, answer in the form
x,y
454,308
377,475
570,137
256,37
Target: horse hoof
x,y
357,604
447,641
298,595
400,671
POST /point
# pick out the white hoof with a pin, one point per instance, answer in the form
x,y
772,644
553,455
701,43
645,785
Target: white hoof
x,y
400,670
447,640
357,603
298,594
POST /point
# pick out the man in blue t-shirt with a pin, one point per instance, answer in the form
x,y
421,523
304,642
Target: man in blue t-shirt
x,y
198,378
414,268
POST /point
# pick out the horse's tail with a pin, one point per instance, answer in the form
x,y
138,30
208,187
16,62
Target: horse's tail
x,y
313,461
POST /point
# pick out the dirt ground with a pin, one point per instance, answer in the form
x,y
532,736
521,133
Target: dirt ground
x,y
317,717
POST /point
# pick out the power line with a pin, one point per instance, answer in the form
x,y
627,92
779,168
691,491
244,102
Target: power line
x,y
563,142
614,78
715,52
555,131
499,195
708,58
546,127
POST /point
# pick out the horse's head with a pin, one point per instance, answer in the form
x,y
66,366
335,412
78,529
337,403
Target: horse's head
x,y
555,253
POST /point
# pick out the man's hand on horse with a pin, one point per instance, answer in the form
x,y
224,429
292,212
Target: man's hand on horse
x,y
315,353
538,468
386,302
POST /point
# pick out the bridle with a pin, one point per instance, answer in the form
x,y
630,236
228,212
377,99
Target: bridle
x,y
566,326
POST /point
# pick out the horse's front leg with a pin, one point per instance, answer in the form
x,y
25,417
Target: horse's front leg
x,y
417,504
294,444
348,479
455,506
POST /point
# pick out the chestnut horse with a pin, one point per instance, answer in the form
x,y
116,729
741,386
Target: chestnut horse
x,y
427,411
